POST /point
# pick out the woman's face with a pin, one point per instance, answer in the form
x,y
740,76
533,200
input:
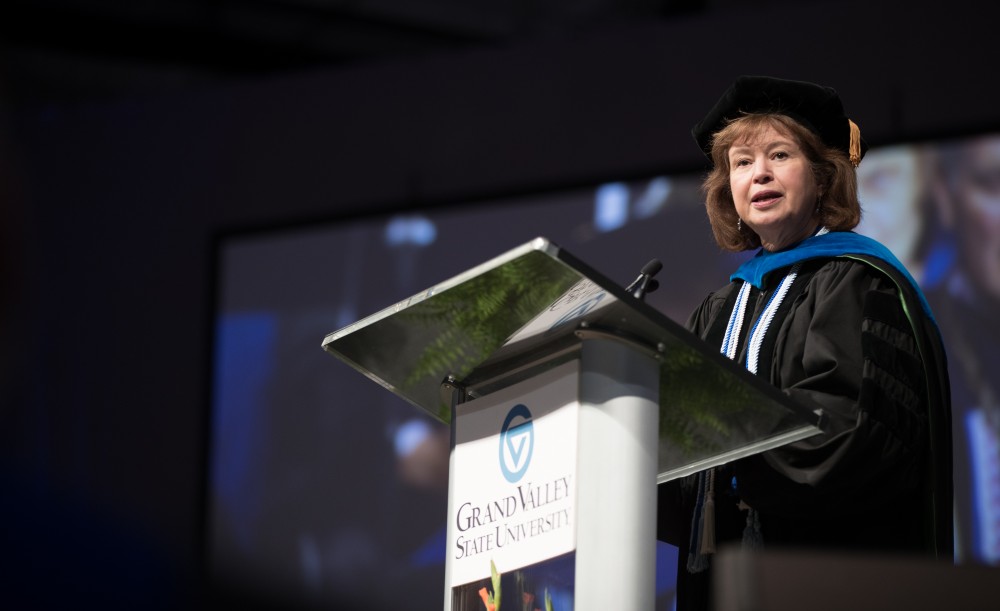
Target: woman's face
x,y
774,188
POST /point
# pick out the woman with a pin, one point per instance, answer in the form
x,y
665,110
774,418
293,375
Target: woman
x,y
832,319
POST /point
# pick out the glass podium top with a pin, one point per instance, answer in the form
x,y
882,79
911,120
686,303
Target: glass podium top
x,y
537,299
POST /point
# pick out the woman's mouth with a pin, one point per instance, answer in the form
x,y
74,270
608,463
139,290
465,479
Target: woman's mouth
x,y
765,198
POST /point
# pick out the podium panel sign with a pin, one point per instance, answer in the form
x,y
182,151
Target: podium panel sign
x,y
513,480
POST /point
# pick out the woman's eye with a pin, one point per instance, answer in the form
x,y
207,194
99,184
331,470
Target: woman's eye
x,y
781,155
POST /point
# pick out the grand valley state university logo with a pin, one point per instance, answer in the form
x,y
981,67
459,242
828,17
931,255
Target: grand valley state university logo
x,y
517,442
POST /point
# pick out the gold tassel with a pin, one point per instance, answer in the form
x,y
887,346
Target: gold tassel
x,y
855,146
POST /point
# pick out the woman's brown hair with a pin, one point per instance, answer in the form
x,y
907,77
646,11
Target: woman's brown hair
x,y
840,209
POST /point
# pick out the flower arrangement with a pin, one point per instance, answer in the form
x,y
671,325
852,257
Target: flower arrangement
x,y
492,600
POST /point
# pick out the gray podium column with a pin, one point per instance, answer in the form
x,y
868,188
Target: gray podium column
x,y
616,478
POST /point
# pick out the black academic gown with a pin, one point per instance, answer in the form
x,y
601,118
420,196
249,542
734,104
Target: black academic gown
x,y
852,339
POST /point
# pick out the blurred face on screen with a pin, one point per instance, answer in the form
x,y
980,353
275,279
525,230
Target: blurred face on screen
x,y
975,212
891,189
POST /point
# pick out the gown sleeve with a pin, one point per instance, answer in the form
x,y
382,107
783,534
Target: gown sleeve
x,y
847,348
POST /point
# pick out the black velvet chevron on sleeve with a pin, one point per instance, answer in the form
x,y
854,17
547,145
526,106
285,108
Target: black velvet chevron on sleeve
x,y
907,353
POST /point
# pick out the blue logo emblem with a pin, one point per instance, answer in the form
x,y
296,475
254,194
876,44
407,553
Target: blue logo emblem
x,y
517,441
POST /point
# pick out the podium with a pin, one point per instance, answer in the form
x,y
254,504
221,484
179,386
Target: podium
x,y
569,400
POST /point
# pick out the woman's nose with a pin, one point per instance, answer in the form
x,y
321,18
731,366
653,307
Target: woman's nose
x,y
762,172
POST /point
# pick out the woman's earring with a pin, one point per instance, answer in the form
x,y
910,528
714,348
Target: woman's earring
x,y
739,225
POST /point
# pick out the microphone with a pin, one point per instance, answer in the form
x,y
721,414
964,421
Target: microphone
x,y
644,283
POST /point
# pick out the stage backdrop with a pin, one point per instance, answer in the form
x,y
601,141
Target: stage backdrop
x,y
325,487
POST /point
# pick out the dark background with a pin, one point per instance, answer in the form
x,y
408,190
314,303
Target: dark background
x,y
134,134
